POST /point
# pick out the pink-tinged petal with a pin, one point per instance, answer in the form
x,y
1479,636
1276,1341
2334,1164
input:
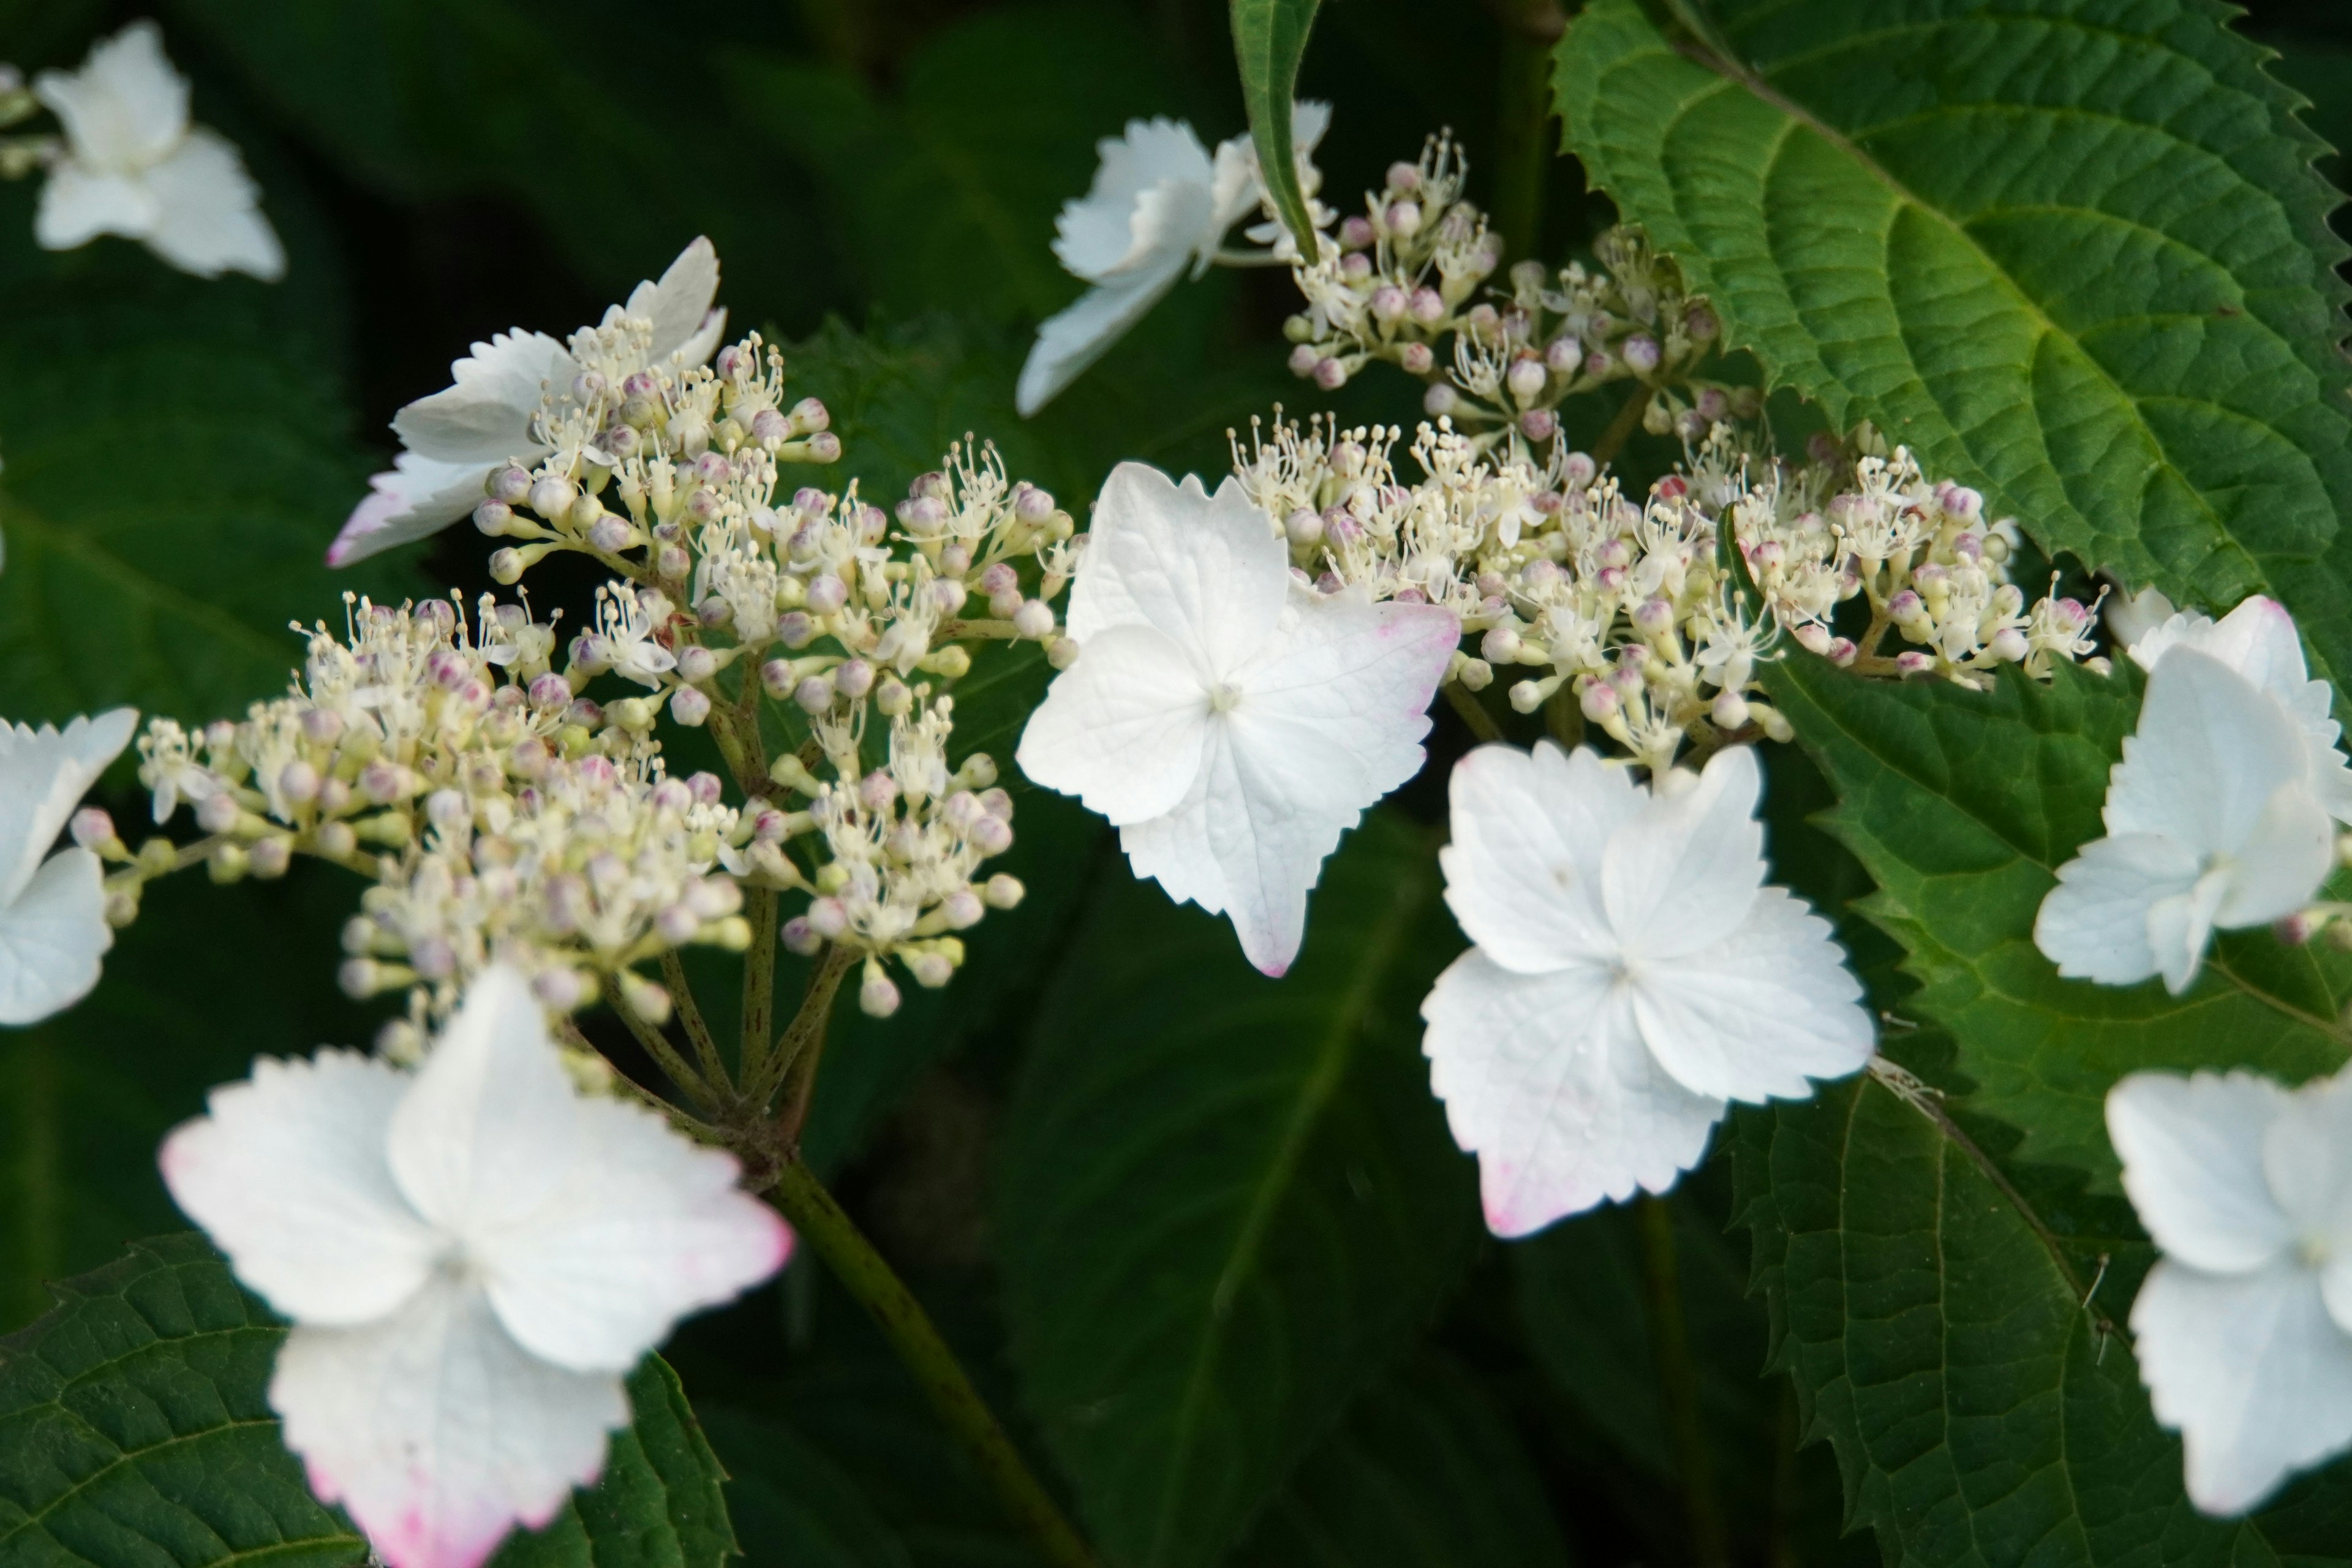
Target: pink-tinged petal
x,y
1122,728
1070,341
1546,1079
2210,753
1682,872
2094,925
416,500
649,1228
1523,871
44,774
485,418
1105,234
1269,847
679,306
1761,1013
1206,570
490,1129
2251,1372
286,1172
209,214
78,204
52,937
2192,1155
435,1431
1337,702
126,106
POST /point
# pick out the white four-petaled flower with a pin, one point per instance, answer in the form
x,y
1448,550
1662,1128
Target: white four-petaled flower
x,y
2243,1331
53,929
1633,976
1160,203
1229,719
134,166
2212,824
452,440
473,1254
2258,640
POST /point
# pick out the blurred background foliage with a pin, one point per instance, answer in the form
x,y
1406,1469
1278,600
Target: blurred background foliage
x,y
1246,1307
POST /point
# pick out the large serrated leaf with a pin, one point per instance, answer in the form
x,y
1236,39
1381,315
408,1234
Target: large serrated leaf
x,y
1424,1472
178,455
1269,41
1981,1415
2073,253
135,1428
1962,804
1227,1203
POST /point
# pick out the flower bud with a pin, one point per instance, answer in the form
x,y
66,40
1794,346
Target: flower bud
x,y
493,517
696,664
1526,378
216,813
1034,620
1500,646
447,808
1539,423
691,706
1427,305
875,995
269,857
1304,526
2009,644
1304,359
1730,710
814,693
1416,359
1356,232
553,497
1599,700
1439,400
510,485
854,679
1403,218
827,594
1062,652
802,938
1330,375
92,830
1388,304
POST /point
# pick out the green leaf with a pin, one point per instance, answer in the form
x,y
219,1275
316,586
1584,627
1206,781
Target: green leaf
x,y
2074,253
543,109
1423,1472
1979,1413
1225,1203
794,1506
135,1428
178,455
1962,806
1269,40
946,187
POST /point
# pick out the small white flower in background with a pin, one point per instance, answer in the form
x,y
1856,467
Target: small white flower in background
x,y
133,165
2243,1331
1632,975
489,418
2212,824
2131,616
473,1254
2258,640
1231,721
53,927
1160,203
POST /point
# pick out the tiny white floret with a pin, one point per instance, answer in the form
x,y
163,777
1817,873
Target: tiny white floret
x,y
2212,824
2258,640
1633,976
452,440
2243,1330
133,165
53,929
1230,720
1161,204
473,1255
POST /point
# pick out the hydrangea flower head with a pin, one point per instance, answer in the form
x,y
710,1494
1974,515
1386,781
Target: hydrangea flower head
x,y
1633,976
2212,824
473,1255
53,928
452,440
1229,719
134,166
2243,1331
1161,204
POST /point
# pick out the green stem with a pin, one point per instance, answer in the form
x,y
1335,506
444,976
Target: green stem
x,y
1678,1382
791,1063
863,1272
1473,713
758,988
664,1055
1524,148
690,1018
1620,430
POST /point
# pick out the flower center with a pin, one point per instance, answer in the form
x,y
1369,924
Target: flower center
x,y
1224,696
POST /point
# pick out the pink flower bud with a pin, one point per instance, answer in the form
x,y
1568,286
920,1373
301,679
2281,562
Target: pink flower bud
x,y
1428,306
1388,303
814,693
216,813
510,485
91,827
1034,620
1599,700
690,706
854,679
877,997
1642,353
1403,218
1330,375
493,517
1539,423
2009,644
1356,232
827,594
